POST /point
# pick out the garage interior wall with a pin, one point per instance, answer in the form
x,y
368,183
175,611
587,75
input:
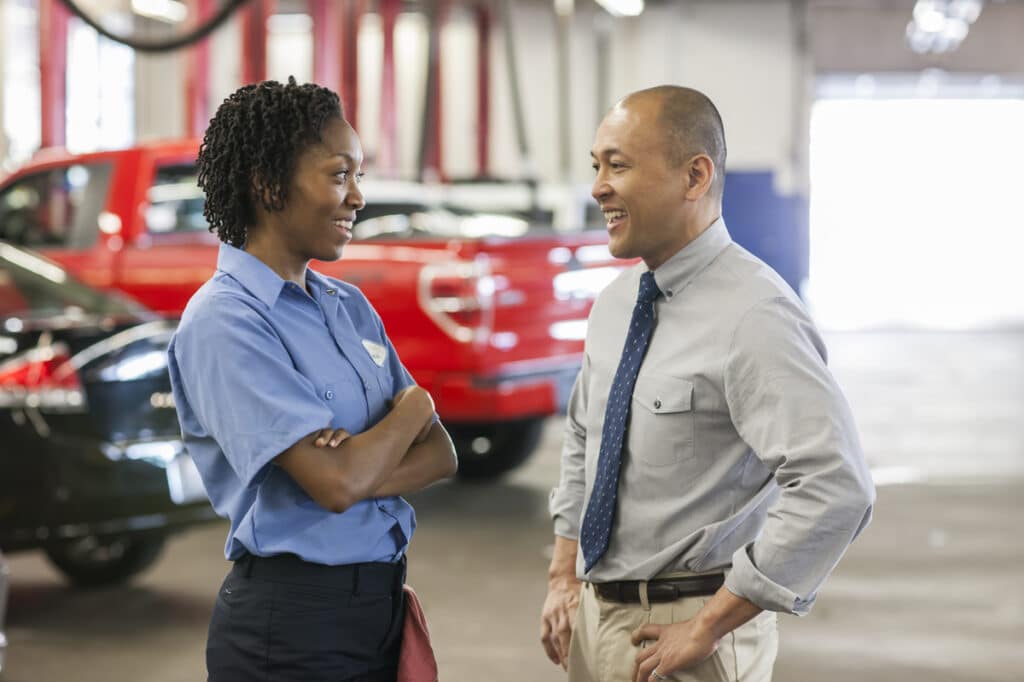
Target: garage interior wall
x,y
756,59
741,53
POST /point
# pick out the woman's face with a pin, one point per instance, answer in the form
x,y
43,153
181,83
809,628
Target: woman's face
x,y
324,195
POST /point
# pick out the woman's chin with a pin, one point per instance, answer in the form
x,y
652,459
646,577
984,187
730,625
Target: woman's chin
x,y
330,253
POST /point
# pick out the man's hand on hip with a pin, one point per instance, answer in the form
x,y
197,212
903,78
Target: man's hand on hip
x,y
559,617
683,645
674,647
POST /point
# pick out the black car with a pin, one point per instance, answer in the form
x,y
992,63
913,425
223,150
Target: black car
x,y
92,467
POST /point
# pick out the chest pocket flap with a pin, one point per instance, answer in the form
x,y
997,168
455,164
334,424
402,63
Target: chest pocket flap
x,y
664,394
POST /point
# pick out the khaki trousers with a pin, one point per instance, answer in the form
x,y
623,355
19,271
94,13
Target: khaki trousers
x,y
601,650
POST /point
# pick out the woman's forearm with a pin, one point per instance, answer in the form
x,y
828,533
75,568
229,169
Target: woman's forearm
x,y
425,463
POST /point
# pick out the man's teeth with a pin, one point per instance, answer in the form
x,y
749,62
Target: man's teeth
x,y
347,224
614,215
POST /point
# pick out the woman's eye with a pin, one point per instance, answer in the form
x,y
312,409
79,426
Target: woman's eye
x,y
595,167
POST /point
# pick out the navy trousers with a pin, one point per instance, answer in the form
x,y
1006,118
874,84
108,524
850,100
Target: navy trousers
x,y
280,618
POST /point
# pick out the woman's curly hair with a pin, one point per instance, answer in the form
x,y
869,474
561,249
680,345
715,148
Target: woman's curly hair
x,y
249,151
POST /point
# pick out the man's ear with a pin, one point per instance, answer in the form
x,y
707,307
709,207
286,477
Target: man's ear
x,y
700,175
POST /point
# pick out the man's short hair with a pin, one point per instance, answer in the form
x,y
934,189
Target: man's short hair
x,y
693,126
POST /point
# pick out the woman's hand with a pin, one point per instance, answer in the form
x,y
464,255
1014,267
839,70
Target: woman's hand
x,y
331,438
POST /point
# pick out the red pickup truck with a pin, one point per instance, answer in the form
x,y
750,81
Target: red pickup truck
x,y
486,311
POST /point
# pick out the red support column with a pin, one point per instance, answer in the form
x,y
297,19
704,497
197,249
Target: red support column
x,y
483,89
254,40
387,153
348,53
434,156
53,67
197,73
328,19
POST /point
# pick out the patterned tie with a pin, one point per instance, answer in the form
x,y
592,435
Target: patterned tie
x,y
597,522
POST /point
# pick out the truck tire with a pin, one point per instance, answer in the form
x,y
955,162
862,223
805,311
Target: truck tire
x,y
92,562
488,450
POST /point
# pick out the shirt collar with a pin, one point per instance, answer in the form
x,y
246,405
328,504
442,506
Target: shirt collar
x,y
679,270
262,282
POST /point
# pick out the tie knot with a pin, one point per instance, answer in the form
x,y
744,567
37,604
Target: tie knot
x,y
648,288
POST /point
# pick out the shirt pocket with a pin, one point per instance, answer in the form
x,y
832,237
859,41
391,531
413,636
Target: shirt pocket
x,y
661,424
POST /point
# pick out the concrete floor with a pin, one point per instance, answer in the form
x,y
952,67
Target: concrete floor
x,y
933,591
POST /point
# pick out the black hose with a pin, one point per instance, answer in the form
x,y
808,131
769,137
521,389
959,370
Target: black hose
x,y
169,45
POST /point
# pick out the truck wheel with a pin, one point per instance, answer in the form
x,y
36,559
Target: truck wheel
x,y
489,450
91,561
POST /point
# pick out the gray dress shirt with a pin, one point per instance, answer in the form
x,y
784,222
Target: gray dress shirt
x,y
741,453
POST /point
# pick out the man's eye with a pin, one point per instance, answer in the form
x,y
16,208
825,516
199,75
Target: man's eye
x,y
595,167
343,174
359,177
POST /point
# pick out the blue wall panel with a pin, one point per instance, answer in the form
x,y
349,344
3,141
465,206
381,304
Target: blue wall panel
x,y
771,226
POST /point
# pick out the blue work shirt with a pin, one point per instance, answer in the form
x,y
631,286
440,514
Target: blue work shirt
x,y
257,364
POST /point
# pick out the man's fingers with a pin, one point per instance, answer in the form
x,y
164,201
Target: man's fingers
x,y
321,438
650,631
564,637
340,436
643,673
548,640
646,653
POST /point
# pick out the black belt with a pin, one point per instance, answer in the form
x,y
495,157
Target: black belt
x,y
369,578
660,590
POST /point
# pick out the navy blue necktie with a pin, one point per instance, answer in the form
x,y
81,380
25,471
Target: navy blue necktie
x,y
597,522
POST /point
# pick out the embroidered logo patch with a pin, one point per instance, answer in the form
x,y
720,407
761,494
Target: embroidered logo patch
x,y
378,353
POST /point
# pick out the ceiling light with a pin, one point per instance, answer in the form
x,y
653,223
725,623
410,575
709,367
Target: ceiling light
x,y
171,11
622,8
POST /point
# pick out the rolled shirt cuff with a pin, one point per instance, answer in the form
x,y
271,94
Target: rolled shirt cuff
x,y
746,581
565,529
563,508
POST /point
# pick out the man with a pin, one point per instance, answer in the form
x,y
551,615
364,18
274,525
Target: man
x,y
711,473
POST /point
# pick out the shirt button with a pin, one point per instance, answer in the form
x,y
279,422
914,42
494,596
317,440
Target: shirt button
x,y
657,404
331,292
329,395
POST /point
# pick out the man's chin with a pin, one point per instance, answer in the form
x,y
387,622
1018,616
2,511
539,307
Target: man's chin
x,y
619,249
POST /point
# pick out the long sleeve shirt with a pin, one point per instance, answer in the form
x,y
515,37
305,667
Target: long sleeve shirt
x,y
741,452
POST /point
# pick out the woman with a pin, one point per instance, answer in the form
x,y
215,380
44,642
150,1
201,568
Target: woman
x,y
304,424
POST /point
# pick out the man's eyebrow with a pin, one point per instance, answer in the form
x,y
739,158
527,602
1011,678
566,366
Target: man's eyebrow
x,y
607,152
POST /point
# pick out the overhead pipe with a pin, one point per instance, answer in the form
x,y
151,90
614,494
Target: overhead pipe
x,y
160,45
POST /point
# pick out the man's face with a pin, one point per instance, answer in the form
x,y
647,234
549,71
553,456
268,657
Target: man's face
x,y
641,195
324,195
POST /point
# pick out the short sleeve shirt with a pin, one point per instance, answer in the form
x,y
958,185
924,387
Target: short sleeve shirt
x,y
258,363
